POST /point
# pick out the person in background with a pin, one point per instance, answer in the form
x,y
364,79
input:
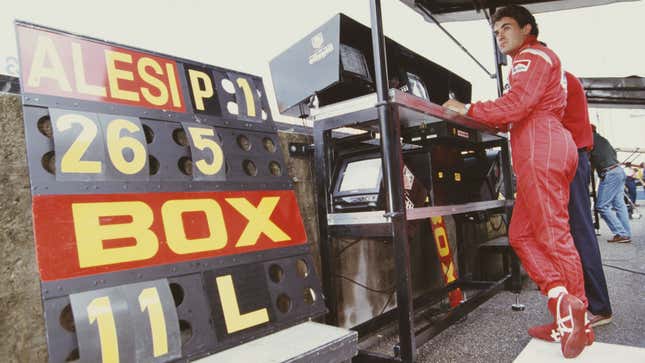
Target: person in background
x,y
630,185
545,159
640,176
610,189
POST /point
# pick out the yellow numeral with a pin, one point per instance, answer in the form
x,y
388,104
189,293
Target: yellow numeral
x,y
100,310
149,299
117,143
71,161
248,96
198,135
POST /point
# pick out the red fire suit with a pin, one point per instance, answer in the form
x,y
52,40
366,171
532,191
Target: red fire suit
x,y
544,160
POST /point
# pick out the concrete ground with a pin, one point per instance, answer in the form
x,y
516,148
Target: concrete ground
x,y
495,333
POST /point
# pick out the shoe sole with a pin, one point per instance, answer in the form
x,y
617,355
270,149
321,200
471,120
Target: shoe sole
x,y
601,322
589,333
573,344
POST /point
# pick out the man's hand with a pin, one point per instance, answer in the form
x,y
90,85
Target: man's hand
x,y
456,106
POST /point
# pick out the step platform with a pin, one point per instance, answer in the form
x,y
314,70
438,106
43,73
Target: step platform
x,y
541,351
306,342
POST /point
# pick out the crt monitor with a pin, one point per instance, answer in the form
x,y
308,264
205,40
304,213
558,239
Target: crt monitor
x,y
358,183
409,82
416,86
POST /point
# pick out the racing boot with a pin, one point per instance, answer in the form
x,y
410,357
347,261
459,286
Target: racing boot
x,y
570,318
549,332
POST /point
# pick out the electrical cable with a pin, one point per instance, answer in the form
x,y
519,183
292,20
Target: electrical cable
x,y
625,269
350,244
388,291
388,301
429,15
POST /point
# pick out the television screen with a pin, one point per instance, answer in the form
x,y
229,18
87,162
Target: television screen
x,y
358,183
361,175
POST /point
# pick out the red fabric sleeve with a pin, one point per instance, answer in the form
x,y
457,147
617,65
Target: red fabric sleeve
x,y
527,88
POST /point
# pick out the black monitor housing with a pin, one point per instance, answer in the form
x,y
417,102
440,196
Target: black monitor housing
x,y
358,183
334,63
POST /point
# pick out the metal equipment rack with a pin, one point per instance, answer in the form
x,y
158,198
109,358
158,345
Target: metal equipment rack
x,y
387,113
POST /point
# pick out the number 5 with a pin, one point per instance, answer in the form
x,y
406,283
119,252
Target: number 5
x,y
199,137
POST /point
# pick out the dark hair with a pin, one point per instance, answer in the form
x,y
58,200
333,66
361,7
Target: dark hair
x,y
521,15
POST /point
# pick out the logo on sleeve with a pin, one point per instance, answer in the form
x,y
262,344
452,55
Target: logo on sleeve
x,y
521,66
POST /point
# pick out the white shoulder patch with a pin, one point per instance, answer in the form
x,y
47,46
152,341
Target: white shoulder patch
x,y
539,53
521,65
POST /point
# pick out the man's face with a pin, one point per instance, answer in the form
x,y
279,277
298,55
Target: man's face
x,y
509,35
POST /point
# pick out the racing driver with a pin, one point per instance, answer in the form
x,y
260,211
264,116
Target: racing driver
x,y
545,158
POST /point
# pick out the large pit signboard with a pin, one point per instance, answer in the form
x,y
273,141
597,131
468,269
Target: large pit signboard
x,y
165,225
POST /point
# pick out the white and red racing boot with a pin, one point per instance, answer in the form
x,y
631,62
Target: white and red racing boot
x,y
549,332
570,318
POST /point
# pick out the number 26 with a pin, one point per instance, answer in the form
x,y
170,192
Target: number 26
x,y
72,161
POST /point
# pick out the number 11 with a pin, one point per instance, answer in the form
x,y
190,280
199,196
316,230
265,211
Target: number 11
x,y
100,311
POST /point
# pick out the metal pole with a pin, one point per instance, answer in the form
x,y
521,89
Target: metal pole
x,y
498,58
498,74
378,50
392,167
322,140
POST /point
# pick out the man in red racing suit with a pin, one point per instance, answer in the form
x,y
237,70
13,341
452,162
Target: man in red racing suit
x,y
545,159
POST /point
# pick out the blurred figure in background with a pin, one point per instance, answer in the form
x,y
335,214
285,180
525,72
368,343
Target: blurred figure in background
x,y
611,203
640,176
630,185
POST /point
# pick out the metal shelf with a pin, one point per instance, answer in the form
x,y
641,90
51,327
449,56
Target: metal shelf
x,y
378,217
361,113
399,119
